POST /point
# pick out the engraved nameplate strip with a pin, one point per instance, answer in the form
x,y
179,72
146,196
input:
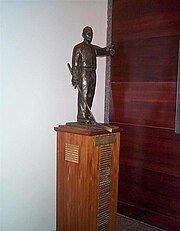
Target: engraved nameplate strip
x,y
105,159
72,153
103,140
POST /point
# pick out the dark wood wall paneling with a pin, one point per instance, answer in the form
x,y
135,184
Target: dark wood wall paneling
x,y
143,103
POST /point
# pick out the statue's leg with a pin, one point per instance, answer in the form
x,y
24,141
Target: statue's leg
x,y
83,85
91,91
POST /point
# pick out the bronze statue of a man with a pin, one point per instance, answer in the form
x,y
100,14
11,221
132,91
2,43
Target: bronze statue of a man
x,y
84,72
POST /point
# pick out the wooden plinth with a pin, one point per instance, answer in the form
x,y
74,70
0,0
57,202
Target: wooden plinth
x,y
87,178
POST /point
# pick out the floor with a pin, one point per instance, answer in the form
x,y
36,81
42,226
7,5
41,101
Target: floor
x,y
128,224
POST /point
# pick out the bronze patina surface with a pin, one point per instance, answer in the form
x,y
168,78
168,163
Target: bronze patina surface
x,y
83,72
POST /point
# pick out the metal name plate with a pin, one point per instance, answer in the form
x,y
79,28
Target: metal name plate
x,y
103,140
72,153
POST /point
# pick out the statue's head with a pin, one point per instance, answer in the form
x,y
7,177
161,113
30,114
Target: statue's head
x,y
87,34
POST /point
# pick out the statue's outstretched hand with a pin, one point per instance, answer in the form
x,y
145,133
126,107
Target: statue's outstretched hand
x,y
111,50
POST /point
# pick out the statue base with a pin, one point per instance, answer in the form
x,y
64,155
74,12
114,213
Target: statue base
x,y
100,126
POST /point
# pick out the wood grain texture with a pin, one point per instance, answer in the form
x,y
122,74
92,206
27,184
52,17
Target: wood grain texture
x,y
143,103
150,174
77,186
142,191
153,59
145,19
78,183
151,148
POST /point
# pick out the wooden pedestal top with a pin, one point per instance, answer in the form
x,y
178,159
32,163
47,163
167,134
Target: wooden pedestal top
x,y
84,129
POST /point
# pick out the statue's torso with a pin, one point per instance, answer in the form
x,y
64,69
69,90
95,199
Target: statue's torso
x,y
86,55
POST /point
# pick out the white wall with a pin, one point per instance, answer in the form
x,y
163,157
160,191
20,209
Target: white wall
x,y
37,38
